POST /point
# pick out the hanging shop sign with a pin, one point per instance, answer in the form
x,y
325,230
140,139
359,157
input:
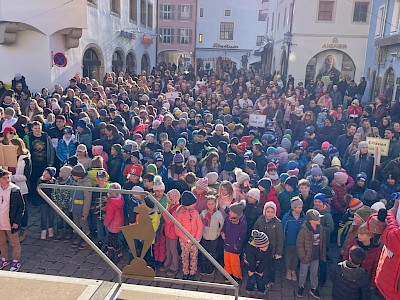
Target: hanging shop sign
x,y
127,34
147,40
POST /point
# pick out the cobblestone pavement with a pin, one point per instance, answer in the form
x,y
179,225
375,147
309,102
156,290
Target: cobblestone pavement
x,y
59,258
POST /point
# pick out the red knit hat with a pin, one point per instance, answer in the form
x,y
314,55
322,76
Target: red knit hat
x,y
246,139
271,166
355,204
136,170
325,145
241,147
9,129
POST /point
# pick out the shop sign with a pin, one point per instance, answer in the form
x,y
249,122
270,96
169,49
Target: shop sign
x,y
226,46
334,45
127,34
216,58
147,40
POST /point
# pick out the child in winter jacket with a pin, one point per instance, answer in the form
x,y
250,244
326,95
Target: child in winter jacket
x,y
252,211
258,255
200,191
225,197
113,221
347,219
115,162
46,212
161,197
190,219
213,220
268,193
357,191
365,241
66,146
350,281
272,227
233,233
316,179
290,191
291,223
311,248
171,262
98,206
272,173
61,198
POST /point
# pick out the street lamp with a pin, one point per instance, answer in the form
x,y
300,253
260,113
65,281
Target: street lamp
x,y
287,40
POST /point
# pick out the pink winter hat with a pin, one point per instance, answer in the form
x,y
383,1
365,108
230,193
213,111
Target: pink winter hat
x,y
202,184
340,177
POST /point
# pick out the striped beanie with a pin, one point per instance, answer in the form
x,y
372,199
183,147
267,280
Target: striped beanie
x,y
260,238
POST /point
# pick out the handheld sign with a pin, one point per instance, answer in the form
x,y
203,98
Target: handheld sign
x,y
257,120
382,144
171,96
8,156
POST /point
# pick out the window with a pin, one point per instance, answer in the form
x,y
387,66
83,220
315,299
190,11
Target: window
x,y
227,12
143,10
167,11
395,25
185,12
260,40
325,10
360,12
201,12
185,36
380,21
262,16
226,31
150,15
133,10
167,35
94,2
115,6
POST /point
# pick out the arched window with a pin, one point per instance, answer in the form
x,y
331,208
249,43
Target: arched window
x,y
117,62
131,63
91,64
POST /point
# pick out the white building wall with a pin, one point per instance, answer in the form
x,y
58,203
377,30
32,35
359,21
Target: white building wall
x,y
42,26
244,14
310,35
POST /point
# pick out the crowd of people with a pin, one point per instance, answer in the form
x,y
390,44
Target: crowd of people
x,y
302,183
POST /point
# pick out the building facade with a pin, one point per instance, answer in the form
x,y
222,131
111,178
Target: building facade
x,y
177,32
229,33
382,63
50,41
317,38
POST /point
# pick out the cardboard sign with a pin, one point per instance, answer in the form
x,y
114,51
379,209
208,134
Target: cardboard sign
x,y
382,144
8,156
171,96
257,120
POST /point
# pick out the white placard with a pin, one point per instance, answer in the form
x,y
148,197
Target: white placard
x,y
257,120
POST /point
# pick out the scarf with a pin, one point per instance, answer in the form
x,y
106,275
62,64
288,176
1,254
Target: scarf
x,y
207,218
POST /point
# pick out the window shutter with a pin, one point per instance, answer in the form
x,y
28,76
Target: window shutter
x,y
161,11
172,35
172,12
179,12
190,36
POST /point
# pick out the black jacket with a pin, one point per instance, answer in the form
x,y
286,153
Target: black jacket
x,y
257,260
17,207
350,283
114,167
342,142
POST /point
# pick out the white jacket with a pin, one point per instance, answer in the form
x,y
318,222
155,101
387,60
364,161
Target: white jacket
x,y
19,178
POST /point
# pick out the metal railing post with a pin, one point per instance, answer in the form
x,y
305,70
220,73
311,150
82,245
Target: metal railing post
x,y
41,186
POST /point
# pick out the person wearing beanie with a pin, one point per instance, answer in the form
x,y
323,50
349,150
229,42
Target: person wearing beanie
x,y
233,233
252,210
212,178
258,255
272,173
250,168
46,212
287,194
151,169
272,227
190,219
80,203
311,248
360,161
350,281
159,249
268,193
324,209
66,146
242,184
171,263
292,221
286,144
336,162
364,239
200,192
281,186
340,188
370,197
228,171
114,163
213,220
177,170
318,159
317,180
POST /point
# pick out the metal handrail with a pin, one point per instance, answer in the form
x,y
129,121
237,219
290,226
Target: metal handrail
x,y
234,286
